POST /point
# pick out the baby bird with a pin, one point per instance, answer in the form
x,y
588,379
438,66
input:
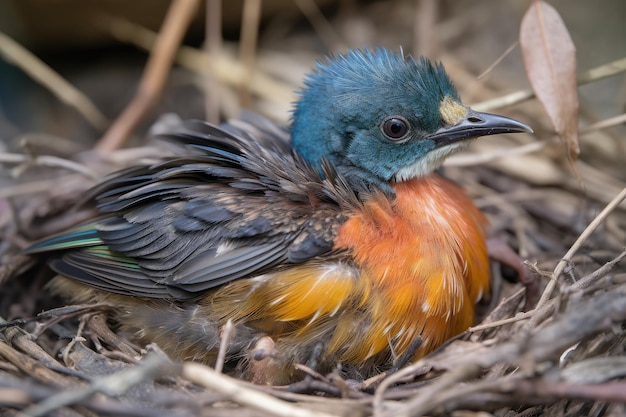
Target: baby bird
x,y
333,242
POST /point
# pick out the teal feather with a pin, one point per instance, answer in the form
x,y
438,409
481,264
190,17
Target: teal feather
x,y
357,91
80,237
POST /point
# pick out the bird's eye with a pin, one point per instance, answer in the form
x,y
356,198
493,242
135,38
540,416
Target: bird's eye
x,y
395,127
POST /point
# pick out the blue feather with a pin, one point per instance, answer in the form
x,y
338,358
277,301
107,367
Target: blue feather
x,y
357,91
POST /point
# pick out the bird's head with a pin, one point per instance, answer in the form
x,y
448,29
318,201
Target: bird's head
x,y
381,117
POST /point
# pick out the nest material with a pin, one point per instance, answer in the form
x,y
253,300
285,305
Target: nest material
x,y
565,357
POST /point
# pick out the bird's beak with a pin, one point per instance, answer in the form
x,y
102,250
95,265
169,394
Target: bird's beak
x,y
476,124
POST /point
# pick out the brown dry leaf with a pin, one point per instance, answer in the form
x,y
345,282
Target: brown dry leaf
x,y
550,58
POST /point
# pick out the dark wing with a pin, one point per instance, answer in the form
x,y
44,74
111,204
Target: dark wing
x,y
231,208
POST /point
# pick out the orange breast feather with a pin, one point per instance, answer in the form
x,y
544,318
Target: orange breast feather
x,y
426,256
419,264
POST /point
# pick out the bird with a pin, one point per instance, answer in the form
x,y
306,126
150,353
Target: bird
x,y
332,242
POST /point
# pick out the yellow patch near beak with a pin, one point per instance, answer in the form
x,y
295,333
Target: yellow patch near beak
x,y
452,112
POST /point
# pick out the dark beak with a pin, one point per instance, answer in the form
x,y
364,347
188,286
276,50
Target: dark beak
x,y
477,124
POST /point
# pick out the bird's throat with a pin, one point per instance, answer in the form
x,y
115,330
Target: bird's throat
x,y
428,163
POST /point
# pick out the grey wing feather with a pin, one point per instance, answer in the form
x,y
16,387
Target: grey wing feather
x,y
230,208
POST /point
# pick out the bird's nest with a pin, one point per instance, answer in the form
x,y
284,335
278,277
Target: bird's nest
x,y
562,356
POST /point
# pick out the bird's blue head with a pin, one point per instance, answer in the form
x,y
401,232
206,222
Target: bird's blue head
x,y
381,117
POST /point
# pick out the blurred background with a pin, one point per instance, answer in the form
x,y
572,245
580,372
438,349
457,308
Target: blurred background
x,y
87,43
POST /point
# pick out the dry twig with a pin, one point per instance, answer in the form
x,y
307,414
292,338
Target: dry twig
x,y
178,18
